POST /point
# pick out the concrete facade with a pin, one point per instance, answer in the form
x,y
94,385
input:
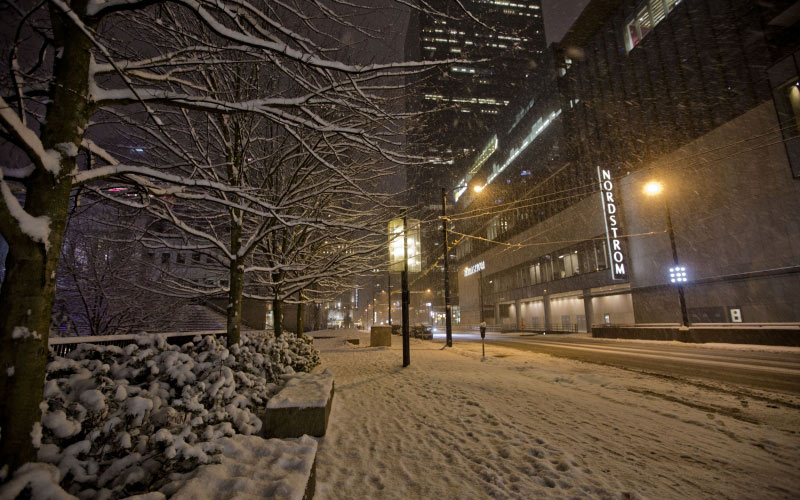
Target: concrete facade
x,y
733,204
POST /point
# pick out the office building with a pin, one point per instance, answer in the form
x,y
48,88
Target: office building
x,y
701,96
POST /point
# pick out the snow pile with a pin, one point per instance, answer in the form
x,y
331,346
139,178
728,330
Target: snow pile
x,y
252,468
122,421
40,480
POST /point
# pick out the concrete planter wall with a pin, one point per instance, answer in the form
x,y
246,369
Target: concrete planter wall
x,y
303,406
786,336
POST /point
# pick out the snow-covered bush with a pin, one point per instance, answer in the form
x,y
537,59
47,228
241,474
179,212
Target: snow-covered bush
x,y
120,421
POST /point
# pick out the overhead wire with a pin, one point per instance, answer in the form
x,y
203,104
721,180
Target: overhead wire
x,y
671,165
679,163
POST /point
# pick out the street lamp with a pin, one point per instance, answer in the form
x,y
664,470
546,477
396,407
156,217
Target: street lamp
x,y
448,322
654,188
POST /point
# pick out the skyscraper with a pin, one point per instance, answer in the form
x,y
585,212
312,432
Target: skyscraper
x,y
500,44
503,41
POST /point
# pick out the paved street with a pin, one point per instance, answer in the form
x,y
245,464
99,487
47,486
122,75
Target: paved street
x,y
776,369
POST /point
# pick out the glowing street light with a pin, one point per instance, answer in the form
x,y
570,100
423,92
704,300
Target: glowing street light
x,y
653,188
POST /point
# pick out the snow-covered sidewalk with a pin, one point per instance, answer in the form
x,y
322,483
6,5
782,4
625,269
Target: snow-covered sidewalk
x,y
526,425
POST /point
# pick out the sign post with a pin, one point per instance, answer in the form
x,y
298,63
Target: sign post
x,y
404,256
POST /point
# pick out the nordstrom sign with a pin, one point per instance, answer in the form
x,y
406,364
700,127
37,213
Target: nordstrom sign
x,y
480,266
613,229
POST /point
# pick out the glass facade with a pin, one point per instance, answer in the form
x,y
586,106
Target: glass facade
x,y
582,258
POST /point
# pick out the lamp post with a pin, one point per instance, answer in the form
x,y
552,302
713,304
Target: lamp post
x,y
653,189
404,282
448,322
389,296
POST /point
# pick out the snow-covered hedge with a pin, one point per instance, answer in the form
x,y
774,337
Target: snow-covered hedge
x,y
121,421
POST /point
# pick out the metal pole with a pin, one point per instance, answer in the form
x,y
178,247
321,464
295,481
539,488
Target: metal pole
x,y
681,296
447,319
389,295
480,292
404,284
483,323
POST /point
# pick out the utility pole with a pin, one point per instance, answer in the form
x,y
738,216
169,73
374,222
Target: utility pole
x,y
447,320
483,323
404,284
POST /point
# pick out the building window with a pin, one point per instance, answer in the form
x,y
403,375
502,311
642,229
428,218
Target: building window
x,y
498,226
165,258
600,254
180,258
647,15
536,273
568,264
463,249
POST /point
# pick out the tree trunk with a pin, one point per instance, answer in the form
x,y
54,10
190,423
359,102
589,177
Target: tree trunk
x,y
236,278
277,317
234,308
299,314
28,291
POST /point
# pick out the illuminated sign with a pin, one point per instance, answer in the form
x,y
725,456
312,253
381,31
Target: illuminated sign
x,y
480,266
396,246
613,229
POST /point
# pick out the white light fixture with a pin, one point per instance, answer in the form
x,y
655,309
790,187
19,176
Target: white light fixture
x,y
677,274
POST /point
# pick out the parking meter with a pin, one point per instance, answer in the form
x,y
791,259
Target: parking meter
x,y
483,344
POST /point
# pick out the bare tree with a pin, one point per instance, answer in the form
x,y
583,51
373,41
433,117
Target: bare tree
x,y
103,285
82,72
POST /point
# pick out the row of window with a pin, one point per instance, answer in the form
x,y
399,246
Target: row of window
x,y
582,258
181,257
646,16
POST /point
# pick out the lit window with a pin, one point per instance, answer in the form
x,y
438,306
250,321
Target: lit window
x,y
646,17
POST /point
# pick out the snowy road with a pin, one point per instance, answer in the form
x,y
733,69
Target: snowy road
x,y
753,366
529,425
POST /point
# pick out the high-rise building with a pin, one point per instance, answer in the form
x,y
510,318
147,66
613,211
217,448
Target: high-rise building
x,y
502,41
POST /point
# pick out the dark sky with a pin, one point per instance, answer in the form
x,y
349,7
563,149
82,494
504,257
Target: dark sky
x,y
559,16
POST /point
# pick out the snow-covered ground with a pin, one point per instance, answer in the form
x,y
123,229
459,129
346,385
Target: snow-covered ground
x,y
526,425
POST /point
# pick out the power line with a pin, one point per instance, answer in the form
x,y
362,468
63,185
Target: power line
x,y
676,164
